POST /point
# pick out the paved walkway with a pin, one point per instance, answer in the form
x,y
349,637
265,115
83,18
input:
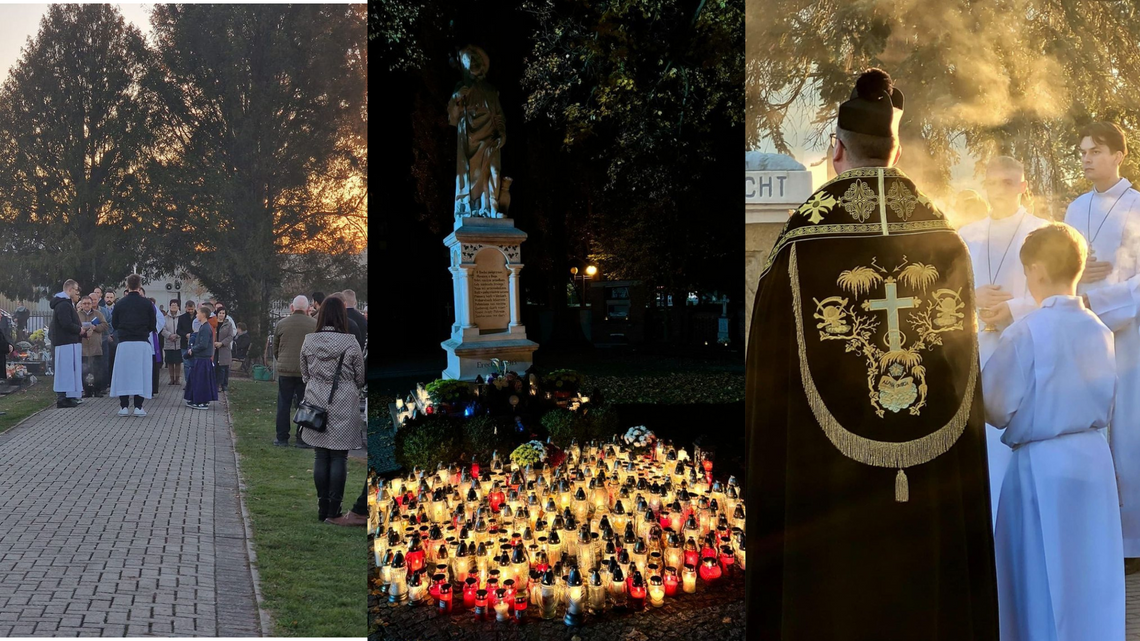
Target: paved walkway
x,y
114,526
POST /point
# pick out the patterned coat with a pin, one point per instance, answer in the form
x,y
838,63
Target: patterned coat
x,y
224,356
319,355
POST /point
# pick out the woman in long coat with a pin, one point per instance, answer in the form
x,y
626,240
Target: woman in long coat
x,y
224,344
320,354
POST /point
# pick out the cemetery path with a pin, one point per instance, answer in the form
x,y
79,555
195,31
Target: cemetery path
x,y
124,526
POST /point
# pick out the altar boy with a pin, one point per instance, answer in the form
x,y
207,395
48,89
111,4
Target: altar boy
x,y
1050,386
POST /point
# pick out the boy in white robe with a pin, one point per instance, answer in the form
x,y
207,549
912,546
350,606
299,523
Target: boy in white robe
x,y
1001,294
1050,385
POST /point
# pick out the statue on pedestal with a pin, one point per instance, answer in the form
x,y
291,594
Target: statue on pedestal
x,y
475,110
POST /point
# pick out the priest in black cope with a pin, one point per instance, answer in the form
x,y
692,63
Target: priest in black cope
x,y
869,513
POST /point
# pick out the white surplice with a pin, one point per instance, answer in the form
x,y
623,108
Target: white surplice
x,y
994,247
1049,384
1110,222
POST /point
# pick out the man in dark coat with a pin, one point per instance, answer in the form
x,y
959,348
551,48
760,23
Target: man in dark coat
x,y
185,327
64,332
355,316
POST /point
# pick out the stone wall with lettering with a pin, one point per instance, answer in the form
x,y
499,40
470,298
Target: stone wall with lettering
x,y
490,292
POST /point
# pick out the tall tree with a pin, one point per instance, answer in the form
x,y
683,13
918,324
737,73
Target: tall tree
x,y
265,116
74,135
989,77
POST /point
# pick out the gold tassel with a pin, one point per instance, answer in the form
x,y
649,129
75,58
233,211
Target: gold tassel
x,y
902,488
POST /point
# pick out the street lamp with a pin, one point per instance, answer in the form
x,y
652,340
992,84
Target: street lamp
x,y
589,272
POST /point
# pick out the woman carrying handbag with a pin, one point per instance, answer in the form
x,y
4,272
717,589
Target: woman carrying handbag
x,y
332,367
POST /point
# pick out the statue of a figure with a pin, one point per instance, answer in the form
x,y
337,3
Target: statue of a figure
x,y
474,108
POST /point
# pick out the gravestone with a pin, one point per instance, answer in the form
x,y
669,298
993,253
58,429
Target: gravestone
x,y
774,186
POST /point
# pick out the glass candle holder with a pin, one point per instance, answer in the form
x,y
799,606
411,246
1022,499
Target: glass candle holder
x,y
727,560
417,589
637,592
480,605
689,578
618,594
519,611
549,596
671,581
470,587
445,598
656,591
502,605
710,570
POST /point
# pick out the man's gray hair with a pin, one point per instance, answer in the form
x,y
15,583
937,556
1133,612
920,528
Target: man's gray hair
x,y
349,298
300,303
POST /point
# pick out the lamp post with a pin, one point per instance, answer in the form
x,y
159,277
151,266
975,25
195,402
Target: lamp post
x,y
585,274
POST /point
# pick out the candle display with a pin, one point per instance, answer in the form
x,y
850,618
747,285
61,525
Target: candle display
x,y
598,527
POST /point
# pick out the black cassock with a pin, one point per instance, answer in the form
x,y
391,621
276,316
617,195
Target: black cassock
x,y
868,500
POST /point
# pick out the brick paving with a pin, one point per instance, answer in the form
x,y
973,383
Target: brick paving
x,y
709,614
1132,606
113,526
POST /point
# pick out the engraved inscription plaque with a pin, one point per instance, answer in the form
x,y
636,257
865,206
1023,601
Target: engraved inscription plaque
x,y
490,293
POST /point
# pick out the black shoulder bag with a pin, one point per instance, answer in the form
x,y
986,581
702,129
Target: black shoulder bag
x,y
315,418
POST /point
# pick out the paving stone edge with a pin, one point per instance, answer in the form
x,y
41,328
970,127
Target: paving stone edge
x,y
263,614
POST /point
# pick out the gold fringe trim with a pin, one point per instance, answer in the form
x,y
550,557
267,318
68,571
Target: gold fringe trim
x,y
868,451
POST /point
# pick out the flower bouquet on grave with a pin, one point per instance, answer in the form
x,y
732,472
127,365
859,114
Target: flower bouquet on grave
x,y
450,397
563,385
529,453
17,373
640,441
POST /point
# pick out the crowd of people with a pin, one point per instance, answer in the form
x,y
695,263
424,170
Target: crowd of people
x,y
319,348
104,343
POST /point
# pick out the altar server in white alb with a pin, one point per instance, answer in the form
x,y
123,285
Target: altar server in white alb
x,y
1109,219
65,338
1000,291
1049,385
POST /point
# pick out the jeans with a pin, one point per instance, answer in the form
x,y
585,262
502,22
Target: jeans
x,y
290,392
110,360
330,471
222,372
187,365
125,400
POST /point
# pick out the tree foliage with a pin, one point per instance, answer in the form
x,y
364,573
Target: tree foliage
x,y
265,118
1016,77
75,133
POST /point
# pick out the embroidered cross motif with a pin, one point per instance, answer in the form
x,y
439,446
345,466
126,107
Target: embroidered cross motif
x,y
859,201
901,201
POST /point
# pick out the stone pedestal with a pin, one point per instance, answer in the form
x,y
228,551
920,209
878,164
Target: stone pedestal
x,y
485,271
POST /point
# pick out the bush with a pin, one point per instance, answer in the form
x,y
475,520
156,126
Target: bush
x,y
429,441
561,425
562,380
602,423
480,439
448,391
592,423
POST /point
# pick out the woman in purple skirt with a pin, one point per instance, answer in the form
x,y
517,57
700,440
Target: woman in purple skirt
x,y
201,385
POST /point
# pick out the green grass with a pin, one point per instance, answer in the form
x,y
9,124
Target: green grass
x,y
312,574
22,404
